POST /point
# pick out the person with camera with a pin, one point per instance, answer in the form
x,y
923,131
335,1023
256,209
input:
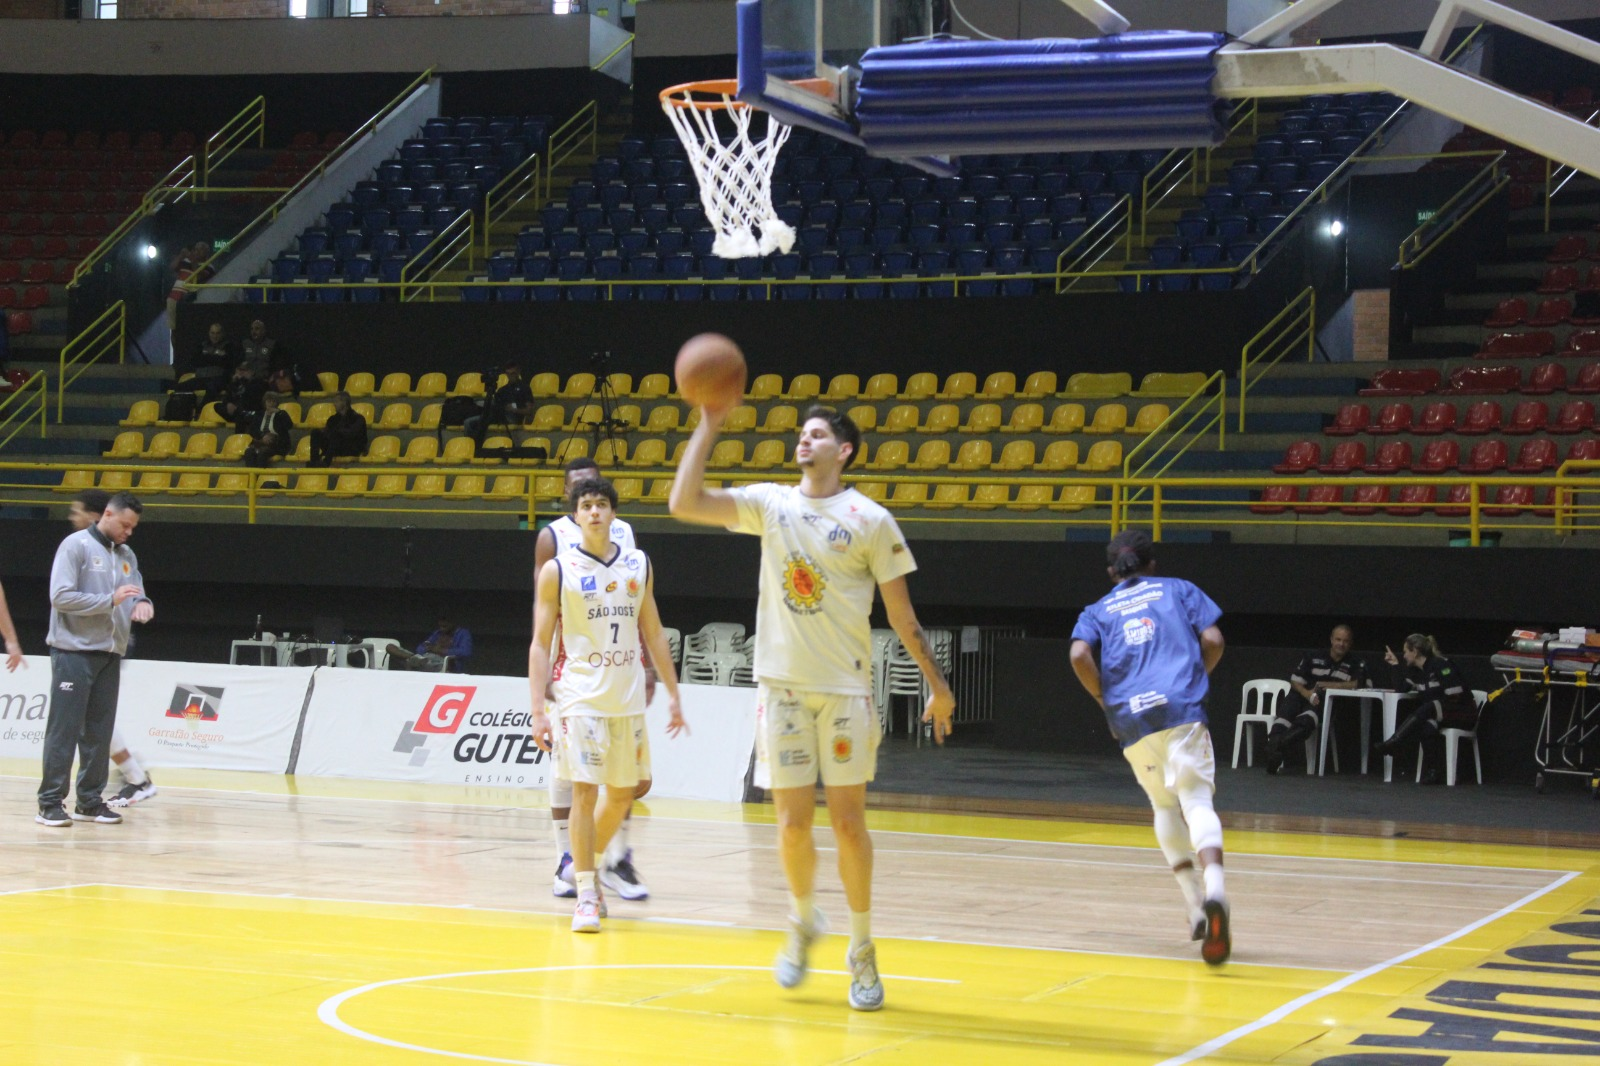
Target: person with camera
x,y
510,405
240,399
345,433
271,432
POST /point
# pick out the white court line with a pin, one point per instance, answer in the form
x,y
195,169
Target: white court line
x,y
328,1011
47,888
1272,1017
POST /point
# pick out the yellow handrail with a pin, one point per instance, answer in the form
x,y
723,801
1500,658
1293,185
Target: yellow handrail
x,y
1098,241
180,179
39,383
613,53
564,141
1557,177
250,122
455,238
508,192
1294,323
1203,404
1478,191
96,341
1177,168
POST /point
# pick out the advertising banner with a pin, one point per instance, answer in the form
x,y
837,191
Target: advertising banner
x,y
24,705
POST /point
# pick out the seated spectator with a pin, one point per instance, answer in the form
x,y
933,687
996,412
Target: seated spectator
x,y
344,434
511,405
240,399
186,269
259,351
449,646
212,363
271,433
1443,700
1299,711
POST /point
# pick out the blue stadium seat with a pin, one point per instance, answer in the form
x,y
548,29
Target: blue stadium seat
x,y
285,269
357,268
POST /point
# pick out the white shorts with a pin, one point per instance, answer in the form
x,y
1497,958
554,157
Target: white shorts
x,y
611,751
1174,762
799,733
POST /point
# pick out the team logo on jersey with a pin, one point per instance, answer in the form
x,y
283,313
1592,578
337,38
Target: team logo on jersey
x,y
126,569
611,587
841,749
633,586
802,585
1139,630
586,584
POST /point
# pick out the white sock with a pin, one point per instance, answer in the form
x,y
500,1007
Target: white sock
x,y
563,836
1192,885
131,771
805,908
618,848
1213,876
860,928
585,882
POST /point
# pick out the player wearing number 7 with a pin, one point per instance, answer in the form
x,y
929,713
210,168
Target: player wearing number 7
x,y
604,597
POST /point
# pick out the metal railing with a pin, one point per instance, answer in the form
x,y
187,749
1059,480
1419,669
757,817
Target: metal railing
x,y
1479,190
1167,443
523,182
1078,259
456,239
14,412
177,183
567,138
98,340
1180,168
1296,324
1558,176
250,124
614,53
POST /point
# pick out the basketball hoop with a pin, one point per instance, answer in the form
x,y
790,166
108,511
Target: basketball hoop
x,y
733,166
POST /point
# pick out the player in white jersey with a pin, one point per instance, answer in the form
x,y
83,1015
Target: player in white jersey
x,y
603,596
825,548
618,872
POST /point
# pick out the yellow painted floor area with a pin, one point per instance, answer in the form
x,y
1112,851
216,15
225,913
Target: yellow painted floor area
x,y
249,919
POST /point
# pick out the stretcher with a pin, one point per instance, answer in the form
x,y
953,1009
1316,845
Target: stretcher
x,y
1567,680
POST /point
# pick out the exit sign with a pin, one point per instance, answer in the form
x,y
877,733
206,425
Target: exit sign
x,y
1424,215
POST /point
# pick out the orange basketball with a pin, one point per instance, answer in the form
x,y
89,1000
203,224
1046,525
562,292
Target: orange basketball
x,y
710,371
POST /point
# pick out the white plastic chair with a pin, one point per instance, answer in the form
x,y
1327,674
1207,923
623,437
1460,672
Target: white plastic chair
x,y
674,643
376,650
722,636
1452,743
712,669
1267,690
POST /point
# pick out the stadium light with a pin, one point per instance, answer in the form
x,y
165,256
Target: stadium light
x,y
1335,228
151,251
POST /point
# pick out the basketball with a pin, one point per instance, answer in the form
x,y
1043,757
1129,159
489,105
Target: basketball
x,y
710,371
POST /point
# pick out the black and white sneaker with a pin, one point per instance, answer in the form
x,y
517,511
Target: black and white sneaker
x,y
55,817
128,795
623,879
565,884
98,813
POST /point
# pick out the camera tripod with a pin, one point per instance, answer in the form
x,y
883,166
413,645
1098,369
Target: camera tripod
x,y
608,427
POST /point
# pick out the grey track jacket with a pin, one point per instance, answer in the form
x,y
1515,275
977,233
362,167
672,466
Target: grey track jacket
x,y
87,570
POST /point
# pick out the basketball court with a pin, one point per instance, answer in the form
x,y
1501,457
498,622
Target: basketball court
x,y
248,918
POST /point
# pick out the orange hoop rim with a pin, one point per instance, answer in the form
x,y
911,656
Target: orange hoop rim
x,y
726,90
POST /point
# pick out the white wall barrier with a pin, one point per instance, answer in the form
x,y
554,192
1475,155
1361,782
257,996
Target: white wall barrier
x,y
435,728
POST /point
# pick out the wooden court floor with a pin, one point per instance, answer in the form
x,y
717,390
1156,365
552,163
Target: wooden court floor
x,y
249,919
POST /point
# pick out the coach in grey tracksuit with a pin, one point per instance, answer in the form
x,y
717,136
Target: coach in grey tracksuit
x,y
96,591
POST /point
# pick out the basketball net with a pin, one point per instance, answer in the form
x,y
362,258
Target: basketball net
x,y
734,167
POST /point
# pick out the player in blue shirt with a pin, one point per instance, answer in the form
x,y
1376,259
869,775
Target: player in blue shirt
x,y
1157,640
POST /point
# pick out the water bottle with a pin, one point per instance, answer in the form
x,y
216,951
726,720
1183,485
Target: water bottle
x,y
258,627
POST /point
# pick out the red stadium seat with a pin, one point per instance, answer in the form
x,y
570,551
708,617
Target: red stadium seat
x,y
1402,383
1482,417
1392,418
35,297
18,323
1509,501
1559,279
1392,457
1455,501
1319,498
1437,457
1517,345
1487,456
1299,457
1351,419
8,298
1348,455
1529,416
1546,378
1534,457
1574,416
1367,499
1551,312
1568,250
1274,497
39,272
1436,418
1508,313
1414,499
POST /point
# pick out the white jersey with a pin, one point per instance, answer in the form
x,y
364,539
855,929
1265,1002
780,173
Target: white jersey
x,y
598,670
569,536
821,561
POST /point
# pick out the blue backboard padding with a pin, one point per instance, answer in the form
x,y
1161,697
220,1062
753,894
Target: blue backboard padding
x,y
1124,43
1044,90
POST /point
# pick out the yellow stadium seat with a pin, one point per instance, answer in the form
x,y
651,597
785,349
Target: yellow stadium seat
x,y
116,480
545,384
384,449
200,447
420,450
129,443
959,386
579,386
629,489
628,414
677,453
1099,385
191,484
803,387
1040,383
570,449
988,497
881,387
395,416
426,486
741,419
428,420
1108,418
1150,416
974,455
726,454
362,384
142,413
781,418
548,418
764,387
508,487
532,442
908,494
663,419
395,383
1075,497
317,416
431,384
292,409
584,417
621,384
458,451
945,418
690,422
652,451
209,416
386,486
984,418
348,485
76,480
660,490
309,485
1058,455
163,446
1025,418
901,419
865,416
229,484
872,490
1031,498
1001,385
233,447
1016,455
327,381
921,386
932,455
611,453
494,443
302,450
154,481
842,387
549,486
1066,418
947,496
860,456
1164,384
653,387
892,455
1104,455
767,455
468,384
365,410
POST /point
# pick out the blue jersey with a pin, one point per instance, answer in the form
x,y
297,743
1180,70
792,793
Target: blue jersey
x,y
1147,632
